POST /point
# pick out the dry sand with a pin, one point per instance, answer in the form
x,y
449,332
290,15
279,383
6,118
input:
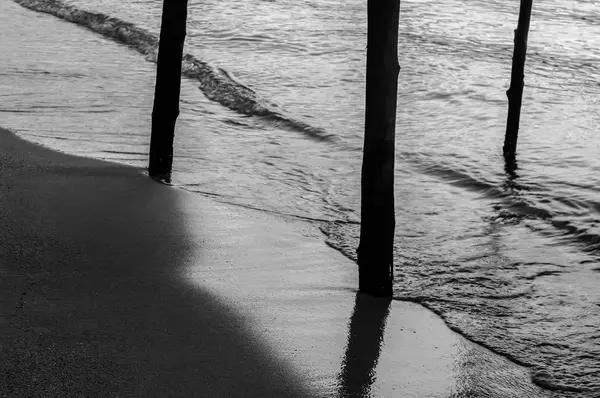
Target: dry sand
x,y
115,285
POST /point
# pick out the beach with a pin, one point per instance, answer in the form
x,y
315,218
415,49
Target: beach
x,y
116,285
266,181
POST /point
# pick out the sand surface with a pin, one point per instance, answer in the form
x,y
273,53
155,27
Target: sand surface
x,y
115,285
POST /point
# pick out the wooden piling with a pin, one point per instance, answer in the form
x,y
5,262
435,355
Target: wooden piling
x,y
168,87
375,251
515,92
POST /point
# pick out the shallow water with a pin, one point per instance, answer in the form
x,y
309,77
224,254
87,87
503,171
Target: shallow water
x,y
508,258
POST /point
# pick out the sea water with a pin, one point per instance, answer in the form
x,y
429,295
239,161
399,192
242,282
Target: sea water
x,y
272,118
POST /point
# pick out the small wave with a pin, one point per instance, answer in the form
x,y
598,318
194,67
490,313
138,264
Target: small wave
x,y
216,83
455,177
15,111
514,205
546,381
125,153
542,273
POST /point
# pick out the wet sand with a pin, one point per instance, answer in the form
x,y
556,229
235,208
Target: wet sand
x,y
115,285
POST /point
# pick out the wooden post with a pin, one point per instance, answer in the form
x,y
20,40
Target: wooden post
x,y
515,92
375,250
168,86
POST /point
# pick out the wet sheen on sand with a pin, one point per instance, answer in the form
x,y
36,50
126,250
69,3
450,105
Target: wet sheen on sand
x,y
127,286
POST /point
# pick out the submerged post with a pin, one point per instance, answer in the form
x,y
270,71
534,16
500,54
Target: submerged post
x,y
515,92
168,86
375,250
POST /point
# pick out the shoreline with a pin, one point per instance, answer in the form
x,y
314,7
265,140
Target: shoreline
x,y
277,294
315,222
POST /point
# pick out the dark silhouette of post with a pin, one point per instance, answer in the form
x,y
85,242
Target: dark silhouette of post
x,y
168,87
515,92
375,250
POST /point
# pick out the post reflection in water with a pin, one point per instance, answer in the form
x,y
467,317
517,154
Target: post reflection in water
x,y
365,339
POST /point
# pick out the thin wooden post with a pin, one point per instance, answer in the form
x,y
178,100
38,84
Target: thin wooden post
x,y
515,92
168,87
375,250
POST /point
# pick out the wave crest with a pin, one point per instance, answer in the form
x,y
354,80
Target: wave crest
x,y
216,84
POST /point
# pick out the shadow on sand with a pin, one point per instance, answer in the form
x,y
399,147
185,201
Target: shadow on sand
x,y
365,338
103,310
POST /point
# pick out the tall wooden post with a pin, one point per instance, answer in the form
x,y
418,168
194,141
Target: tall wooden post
x,y
168,87
515,92
375,250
